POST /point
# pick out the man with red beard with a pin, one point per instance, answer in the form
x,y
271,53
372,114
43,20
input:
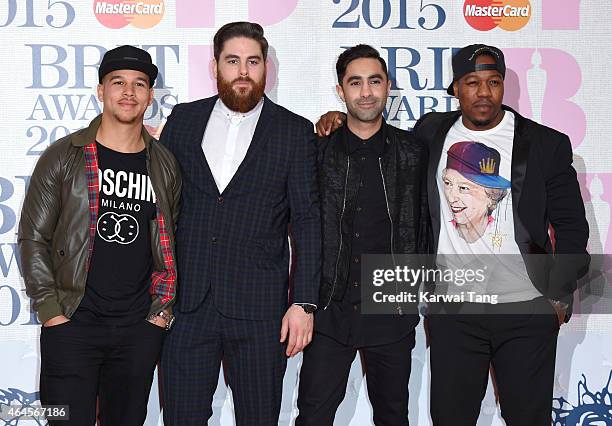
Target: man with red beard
x,y
250,172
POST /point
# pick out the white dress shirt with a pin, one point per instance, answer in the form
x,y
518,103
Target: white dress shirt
x,y
227,139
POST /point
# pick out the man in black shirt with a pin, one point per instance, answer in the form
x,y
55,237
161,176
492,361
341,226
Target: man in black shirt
x,y
371,180
96,238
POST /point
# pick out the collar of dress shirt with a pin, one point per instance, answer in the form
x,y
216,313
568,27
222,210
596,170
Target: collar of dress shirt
x,y
374,144
236,117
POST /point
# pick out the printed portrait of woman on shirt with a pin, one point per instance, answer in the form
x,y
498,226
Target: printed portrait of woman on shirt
x,y
473,187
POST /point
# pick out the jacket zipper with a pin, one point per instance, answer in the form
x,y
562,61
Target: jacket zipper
x,y
399,308
348,167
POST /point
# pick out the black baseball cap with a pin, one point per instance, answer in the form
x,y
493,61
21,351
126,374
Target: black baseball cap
x,y
127,58
464,62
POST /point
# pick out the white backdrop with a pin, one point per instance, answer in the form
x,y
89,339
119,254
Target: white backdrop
x,y
558,61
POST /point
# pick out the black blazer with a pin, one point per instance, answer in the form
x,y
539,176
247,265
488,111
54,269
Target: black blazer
x,y
234,244
545,193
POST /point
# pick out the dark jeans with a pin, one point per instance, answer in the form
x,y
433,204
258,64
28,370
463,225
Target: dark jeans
x,y
521,348
80,362
324,376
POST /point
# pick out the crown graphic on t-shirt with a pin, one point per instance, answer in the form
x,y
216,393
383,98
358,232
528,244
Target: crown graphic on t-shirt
x,y
487,166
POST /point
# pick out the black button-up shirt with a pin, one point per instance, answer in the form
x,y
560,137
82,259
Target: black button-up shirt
x,y
371,232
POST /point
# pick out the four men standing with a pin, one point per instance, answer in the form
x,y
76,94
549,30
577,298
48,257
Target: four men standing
x,y
255,176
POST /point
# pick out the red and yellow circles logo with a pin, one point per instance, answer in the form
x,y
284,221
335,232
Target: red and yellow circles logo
x,y
119,13
509,15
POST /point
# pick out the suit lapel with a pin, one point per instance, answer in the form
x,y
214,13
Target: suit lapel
x,y
520,154
268,112
203,176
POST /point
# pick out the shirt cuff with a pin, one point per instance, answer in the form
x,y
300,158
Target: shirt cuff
x,y
302,304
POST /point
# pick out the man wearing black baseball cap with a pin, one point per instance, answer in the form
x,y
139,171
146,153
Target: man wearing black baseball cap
x,y
464,62
96,238
128,58
517,336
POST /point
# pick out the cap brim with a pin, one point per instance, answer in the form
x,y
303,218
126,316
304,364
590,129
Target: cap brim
x,y
126,64
450,90
489,181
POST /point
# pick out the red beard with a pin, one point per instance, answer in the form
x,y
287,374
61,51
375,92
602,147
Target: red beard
x,y
244,99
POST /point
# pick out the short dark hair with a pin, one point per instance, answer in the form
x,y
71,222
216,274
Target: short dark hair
x,y
240,29
357,52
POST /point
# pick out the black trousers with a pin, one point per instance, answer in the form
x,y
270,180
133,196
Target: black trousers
x,y
521,349
324,375
254,361
82,362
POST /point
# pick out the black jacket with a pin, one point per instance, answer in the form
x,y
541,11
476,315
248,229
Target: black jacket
x,y
234,244
545,193
403,167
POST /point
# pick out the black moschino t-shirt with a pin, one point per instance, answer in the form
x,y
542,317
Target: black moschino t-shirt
x,y
117,290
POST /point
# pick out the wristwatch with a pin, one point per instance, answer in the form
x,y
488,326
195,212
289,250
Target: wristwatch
x,y
309,308
169,318
559,304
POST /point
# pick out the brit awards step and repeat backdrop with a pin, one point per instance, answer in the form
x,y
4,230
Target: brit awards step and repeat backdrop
x,y
558,54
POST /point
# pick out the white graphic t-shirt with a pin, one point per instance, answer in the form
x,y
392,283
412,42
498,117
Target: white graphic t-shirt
x,y
473,179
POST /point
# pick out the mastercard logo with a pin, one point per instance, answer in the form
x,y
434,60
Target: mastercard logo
x,y
509,15
138,13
